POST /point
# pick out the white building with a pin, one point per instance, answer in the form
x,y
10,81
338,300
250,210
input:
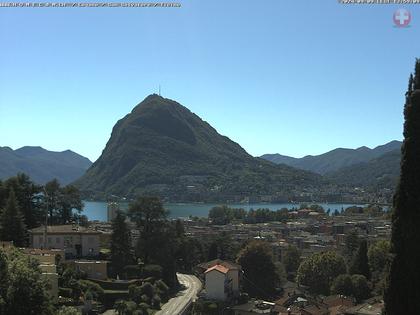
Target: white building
x,y
76,241
222,281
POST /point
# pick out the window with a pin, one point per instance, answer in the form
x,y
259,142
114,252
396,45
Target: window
x,y
49,240
68,241
41,240
57,240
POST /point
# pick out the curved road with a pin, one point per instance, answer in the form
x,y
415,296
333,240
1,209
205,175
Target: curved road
x,y
178,303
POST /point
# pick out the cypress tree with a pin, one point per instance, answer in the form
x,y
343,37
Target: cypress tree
x,y
359,264
121,254
12,226
402,295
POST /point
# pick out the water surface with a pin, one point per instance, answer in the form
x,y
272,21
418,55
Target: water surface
x,y
97,210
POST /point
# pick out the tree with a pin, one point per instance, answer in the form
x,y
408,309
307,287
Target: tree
x,y
319,270
260,272
121,254
149,214
291,258
27,197
359,263
403,295
69,199
121,307
213,251
361,288
52,190
355,285
379,262
342,285
61,201
220,215
12,227
23,290
351,244
68,310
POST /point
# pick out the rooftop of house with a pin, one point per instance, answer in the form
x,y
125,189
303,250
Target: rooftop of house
x,y
63,229
219,268
227,264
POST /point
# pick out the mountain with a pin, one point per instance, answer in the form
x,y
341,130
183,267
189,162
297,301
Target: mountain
x,y
163,148
42,165
381,172
335,159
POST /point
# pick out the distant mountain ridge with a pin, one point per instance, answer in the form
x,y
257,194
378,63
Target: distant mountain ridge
x,y
42,165
378,173
162,148
336,159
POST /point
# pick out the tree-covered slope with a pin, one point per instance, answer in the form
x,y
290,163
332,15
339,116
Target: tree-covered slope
x,y
381,172
163,148
42,165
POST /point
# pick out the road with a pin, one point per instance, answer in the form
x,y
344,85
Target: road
x,y
178,303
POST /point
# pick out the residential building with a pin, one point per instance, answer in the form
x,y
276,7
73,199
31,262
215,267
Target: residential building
x,y
221,280
76,241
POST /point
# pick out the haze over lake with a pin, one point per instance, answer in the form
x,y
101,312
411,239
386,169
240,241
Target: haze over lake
x,y
97,210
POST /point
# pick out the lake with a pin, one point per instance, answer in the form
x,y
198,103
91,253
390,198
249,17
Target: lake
x,y
97,210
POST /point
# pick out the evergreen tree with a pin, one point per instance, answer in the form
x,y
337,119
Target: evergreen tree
x,y
351,244
121,255
260,272
52,189
150,216
403,295
291,258
12,226
213,251
360,263
27,197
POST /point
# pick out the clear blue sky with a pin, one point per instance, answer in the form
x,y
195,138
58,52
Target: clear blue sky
x,y
293,77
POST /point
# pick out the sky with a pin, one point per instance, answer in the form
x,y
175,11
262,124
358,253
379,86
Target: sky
x,y
295,77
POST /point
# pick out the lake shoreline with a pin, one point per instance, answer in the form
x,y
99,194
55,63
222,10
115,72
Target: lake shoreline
x,y
97,210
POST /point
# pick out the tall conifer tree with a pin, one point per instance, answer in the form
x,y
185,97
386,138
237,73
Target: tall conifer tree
x,y
359,264
12,226
402,295
121,254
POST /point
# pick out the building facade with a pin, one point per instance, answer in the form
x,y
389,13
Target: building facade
x,y
76,241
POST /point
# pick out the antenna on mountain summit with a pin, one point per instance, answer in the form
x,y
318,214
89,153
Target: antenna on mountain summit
x,y
159,89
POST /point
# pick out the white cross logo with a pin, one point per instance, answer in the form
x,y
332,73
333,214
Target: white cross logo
x,y
402,18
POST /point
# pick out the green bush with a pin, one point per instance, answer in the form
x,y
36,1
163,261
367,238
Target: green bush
x,y
92,287
65,292
132,271
152,271
68,310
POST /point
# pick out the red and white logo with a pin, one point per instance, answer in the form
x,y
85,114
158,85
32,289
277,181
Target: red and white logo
x,y
402,18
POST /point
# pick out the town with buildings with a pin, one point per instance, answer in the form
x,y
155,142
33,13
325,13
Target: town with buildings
x,y
218,284
210,158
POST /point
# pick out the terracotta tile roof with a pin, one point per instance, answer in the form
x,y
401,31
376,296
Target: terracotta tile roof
x,y
219,268
227,264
